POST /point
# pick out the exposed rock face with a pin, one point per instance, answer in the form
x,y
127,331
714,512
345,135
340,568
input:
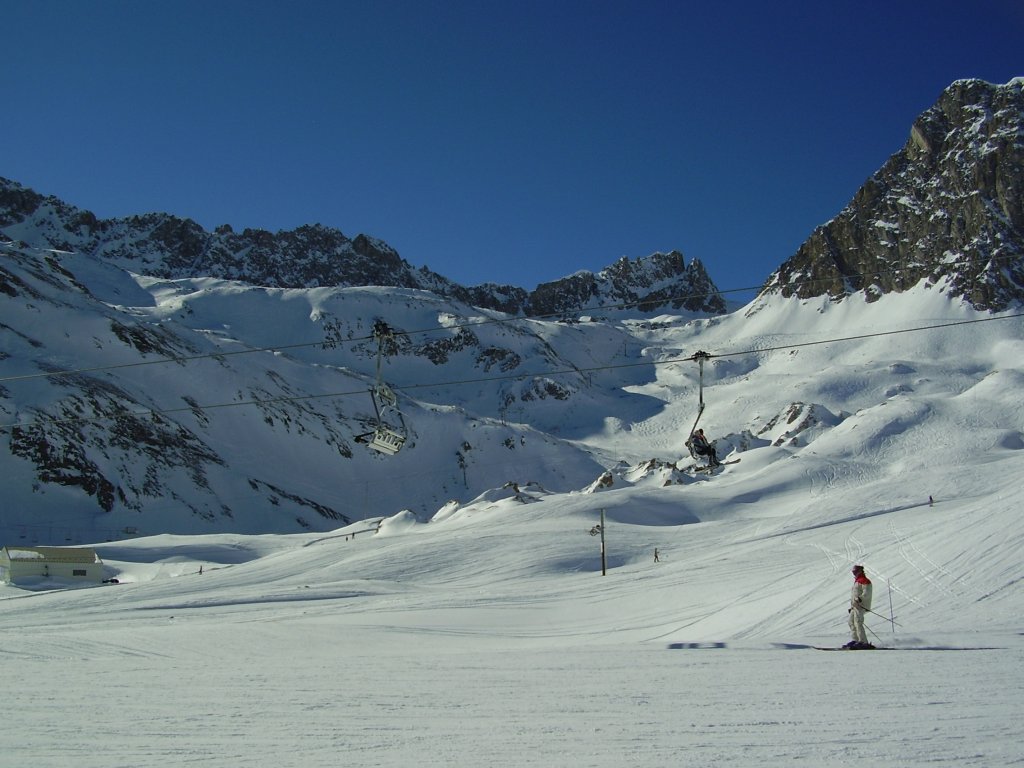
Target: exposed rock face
x,y
313,256
948,208
661,280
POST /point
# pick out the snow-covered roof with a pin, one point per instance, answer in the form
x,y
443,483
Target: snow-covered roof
x,y
53,554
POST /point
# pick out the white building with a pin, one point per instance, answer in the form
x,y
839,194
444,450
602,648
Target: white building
x,y
64,564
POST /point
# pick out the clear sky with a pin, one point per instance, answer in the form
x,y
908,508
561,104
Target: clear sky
x,y
512,142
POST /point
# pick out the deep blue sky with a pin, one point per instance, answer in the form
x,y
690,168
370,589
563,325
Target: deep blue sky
x,y
512,142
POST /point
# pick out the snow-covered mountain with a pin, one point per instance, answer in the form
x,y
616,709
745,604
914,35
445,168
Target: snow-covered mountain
x,y
162,245
154,442
144,390
206,405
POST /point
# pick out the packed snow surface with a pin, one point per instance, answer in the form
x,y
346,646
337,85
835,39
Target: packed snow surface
x,y
492,631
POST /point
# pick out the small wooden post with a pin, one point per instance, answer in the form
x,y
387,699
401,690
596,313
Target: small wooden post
x,y
599,529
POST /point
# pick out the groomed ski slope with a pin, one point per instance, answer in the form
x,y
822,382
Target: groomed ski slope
x,y
485,634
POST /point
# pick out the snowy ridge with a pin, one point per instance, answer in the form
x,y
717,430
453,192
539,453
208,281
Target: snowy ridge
x,y
311,256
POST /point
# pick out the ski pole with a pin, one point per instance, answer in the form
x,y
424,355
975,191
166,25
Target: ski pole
x,y
892,621
888,620
869,629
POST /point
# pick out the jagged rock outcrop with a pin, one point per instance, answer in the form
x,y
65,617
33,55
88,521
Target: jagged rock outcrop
x,y
163,245
660,280
948,208
312,256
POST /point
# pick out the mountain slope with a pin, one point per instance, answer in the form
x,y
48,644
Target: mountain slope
x,y
204,405
178,430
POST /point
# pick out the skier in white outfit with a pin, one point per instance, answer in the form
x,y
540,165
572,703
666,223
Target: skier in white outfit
x,y
860,603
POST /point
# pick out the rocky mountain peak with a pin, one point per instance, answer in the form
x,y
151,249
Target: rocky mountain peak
x,y
948,208
659,280
313,255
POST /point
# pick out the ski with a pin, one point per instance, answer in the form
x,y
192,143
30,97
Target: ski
x,y
710,468
907,648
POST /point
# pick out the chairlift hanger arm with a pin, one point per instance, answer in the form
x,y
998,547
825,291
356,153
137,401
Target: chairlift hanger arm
x,y
699,356
381,333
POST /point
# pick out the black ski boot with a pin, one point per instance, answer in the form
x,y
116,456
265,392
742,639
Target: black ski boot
x,y
856,645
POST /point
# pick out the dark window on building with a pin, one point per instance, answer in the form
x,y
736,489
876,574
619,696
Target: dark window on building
x,y
78,572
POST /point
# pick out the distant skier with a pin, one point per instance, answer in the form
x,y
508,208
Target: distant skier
x,y
702,447
860,603
657,557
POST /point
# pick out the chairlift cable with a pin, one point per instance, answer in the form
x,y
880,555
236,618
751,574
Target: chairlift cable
x,y
520,376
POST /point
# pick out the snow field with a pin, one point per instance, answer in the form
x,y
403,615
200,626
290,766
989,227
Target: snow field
x,y
473,627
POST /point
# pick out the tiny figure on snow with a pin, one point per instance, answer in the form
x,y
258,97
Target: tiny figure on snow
x,y
860,603
931,501
702,447
657,559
